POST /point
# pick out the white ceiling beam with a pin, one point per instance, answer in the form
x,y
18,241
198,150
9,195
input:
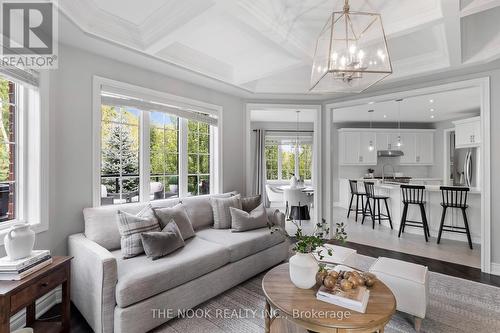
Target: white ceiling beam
x,y
248,12
250,77
174,28
477,6
452,28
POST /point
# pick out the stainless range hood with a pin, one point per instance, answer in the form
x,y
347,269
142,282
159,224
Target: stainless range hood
x,y
390,153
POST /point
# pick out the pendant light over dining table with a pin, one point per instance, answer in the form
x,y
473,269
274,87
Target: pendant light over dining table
x,y
351,53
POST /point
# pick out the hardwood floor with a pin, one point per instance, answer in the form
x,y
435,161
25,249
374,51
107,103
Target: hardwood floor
x,y
79,325
438,266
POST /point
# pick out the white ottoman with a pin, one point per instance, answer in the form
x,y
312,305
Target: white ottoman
x,y
339,255
409,284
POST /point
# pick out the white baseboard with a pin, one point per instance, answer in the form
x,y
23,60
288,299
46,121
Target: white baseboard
x,y
43,304
495,268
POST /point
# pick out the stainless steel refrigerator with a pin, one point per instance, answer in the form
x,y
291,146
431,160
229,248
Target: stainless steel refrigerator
x,y
465,166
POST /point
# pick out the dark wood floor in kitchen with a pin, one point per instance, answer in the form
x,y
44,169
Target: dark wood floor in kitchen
x,y
79,325
438,266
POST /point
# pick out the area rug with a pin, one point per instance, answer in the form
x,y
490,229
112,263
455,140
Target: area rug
x,y
455,305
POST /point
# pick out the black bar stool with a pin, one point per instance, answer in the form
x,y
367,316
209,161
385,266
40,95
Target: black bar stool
x,y
414,195
374,213
455,197
355,192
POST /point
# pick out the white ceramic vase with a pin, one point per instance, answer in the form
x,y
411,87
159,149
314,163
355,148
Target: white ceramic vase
x,y
303,269
19,241
293,182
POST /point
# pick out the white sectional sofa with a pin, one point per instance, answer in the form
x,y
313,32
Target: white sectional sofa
x,y
117,295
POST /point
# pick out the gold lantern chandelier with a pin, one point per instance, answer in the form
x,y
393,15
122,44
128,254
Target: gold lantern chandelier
x,y
351,53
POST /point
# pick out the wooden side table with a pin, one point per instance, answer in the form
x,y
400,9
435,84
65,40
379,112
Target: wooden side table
x,y
16,295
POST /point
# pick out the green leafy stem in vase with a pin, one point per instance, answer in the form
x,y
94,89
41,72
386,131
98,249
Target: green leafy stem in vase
x,y
313,243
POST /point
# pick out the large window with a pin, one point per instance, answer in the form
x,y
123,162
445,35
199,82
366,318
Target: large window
x,y
8,150
272,151
120,154
151,150
164,155
23,150
284,160
198,146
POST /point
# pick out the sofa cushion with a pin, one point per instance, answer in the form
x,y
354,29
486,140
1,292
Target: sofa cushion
x,y
179,214
200,211
132,226
250,203
221,210
140,277
158,244
243,221
101,226
242,244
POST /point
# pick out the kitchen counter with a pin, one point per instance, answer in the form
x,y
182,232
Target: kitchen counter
x,y
430,188
433,209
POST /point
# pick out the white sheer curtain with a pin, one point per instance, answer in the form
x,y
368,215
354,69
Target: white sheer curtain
x,y
259,183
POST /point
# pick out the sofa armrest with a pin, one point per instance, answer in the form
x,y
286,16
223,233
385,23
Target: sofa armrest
x,y
276,217
93,282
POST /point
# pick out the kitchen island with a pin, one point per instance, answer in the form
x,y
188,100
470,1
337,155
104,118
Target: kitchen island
x,y
433,210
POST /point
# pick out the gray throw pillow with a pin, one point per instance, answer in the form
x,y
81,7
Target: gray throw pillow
x,y
179,214
243,221
132,226
220,208
250,203
158,244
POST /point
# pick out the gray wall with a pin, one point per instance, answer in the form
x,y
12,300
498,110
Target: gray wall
x,y
71,135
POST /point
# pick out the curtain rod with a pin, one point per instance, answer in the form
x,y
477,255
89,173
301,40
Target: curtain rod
x,y
284,131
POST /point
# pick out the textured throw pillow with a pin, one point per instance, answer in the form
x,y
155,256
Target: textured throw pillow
x,y
250,203
132,226
179,214
243,221
158,244
220,208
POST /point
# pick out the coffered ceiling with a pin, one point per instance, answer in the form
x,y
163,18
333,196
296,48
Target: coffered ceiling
x,y
266,46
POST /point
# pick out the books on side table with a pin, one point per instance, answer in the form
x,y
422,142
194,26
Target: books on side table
x,y
19,269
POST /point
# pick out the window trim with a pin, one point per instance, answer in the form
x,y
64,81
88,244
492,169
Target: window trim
x,y
32,204
98,83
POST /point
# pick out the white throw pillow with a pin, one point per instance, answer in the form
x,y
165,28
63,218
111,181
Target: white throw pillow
x,y
220,208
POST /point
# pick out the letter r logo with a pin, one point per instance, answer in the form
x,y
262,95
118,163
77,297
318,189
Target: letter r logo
x,y
27,28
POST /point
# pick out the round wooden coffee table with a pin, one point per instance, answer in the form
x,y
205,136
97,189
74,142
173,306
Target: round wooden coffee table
x,y
285,302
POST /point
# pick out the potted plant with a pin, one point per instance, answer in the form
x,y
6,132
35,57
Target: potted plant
x,y
303,264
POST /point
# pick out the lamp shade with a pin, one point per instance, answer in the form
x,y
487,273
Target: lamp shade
x,y
351,53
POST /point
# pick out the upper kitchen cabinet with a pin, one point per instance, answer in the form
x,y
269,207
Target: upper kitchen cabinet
x,y
417,146
424,148
354,148
408,146
468,132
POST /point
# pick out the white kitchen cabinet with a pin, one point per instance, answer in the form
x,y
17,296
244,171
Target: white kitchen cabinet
x,y
424,146
408,146
417,146
367,156
382,141
354,148
468,132
349,147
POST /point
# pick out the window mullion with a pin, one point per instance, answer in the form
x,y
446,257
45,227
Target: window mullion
x,y
279,163
183,157
144,157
